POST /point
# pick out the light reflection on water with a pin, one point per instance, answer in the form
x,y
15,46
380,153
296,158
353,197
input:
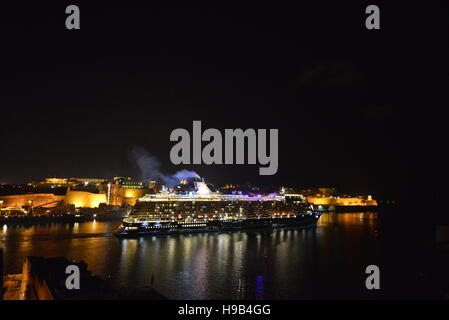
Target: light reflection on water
x,y
287,263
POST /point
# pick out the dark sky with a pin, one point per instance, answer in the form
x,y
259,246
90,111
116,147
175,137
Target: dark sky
x,y
355,109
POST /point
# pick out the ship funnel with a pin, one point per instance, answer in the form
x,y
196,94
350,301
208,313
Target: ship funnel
x,y
202,188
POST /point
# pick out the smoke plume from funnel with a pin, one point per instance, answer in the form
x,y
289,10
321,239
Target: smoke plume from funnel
x,y
149,168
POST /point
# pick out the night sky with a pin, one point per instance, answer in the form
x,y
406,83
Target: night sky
x,y
356,109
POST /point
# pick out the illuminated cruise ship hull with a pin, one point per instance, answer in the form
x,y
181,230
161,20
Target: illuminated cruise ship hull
x,y
133,229
195,208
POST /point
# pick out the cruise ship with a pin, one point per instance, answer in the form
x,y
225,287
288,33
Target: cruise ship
x,y
193,207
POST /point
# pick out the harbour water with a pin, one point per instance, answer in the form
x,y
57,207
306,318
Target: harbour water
x,y
326,261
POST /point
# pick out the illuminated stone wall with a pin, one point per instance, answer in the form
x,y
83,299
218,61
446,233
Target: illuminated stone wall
x,y
84,199
355,202
319,200
55,180
21,200
341,201
126,196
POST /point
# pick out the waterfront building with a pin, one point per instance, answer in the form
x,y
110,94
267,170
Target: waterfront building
x,y
121,191
84,199
45,279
